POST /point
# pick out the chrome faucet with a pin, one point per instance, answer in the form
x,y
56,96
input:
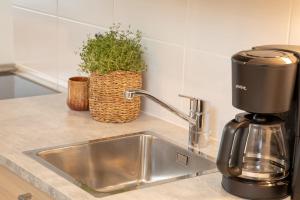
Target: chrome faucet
x,y
195,117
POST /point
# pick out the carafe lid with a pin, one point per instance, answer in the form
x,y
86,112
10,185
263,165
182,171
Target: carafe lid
x,y
262,119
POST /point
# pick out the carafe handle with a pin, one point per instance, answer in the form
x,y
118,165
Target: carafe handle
x,y
230,156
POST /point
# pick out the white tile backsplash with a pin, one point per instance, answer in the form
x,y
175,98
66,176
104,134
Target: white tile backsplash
x,y
295,24
158,19
97,12
47,6
208,76
69,45
189,42
225,27
163,77
6,37
35,41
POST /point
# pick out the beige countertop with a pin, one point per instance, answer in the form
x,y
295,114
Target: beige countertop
x,y
45,121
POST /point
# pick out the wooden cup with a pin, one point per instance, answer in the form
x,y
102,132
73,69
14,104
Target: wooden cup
x,y
78,93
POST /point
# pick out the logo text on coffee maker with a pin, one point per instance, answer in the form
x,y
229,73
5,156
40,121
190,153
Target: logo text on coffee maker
x,y
241,87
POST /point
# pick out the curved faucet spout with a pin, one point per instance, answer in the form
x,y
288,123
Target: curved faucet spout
x,y
195,117
129,94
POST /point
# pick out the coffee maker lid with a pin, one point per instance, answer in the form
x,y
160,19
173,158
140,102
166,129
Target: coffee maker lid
x,y
295,49
270,58
265,54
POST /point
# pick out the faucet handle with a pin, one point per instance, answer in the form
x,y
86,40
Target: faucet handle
x,y
196,104
189,97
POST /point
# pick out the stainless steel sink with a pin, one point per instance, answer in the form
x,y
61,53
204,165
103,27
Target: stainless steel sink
x,y
122,163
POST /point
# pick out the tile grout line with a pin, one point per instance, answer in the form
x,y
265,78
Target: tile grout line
x,y
34,11
187,7
291,10
114,11
60,17
162,42
56,46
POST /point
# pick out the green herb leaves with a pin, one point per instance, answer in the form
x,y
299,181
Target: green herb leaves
x,y
113,50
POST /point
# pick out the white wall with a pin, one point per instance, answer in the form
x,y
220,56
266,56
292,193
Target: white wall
x,y
189,42
6,32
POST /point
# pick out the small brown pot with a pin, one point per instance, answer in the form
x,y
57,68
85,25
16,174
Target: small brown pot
x,y
107,102
78,93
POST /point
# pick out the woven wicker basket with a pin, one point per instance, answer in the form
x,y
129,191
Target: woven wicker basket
x,y
106,100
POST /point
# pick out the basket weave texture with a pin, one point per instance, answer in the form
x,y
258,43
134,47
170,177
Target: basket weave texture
x,y
106,99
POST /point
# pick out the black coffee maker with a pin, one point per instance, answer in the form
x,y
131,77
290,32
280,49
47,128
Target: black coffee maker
x,y
259,153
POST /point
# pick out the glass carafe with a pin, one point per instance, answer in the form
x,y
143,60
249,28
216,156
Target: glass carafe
x,y
266,154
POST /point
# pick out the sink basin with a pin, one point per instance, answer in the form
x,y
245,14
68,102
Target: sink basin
x,y
122,163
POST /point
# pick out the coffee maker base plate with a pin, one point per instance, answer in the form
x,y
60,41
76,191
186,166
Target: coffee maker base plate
x,y
255,190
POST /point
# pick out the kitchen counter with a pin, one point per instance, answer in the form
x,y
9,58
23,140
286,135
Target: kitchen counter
x,y
45,121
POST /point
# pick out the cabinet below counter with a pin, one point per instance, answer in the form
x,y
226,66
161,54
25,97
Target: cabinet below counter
x,y
12,187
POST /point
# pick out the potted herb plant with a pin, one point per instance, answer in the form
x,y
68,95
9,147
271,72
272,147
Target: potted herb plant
x,y
115,63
